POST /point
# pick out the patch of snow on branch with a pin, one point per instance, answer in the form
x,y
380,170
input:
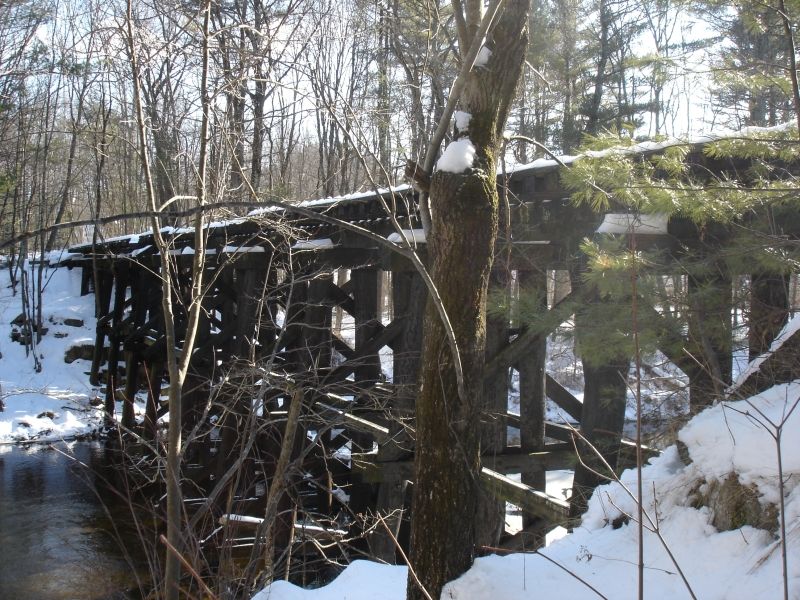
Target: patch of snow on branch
x,y
412,235
484,54
231,518
621,223
242,249
313,244
457,157
650,146
462,120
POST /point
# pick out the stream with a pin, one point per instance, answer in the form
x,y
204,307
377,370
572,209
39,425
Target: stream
x,y
56,539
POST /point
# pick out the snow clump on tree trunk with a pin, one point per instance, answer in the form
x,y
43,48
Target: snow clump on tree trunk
x,y
457,157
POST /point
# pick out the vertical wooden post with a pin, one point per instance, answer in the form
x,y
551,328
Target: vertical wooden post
x,y
769,310
366,296
201,366
120,279
229,299
604,400
317,361
710,336
154,365
408,301
250,283
131,387
86,279
267,309
491,512
155,370
318,321
103,287
532,396
294,330
132,344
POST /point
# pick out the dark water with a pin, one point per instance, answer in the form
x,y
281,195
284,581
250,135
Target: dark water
x,y
55,536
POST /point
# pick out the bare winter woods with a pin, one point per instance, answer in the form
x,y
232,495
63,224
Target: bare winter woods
x,y
312,99
120,117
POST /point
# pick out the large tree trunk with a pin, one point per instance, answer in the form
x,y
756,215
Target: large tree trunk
x,y
465,215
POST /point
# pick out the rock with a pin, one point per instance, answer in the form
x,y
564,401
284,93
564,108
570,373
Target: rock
x,y
96,401
46,414
734,505
60,334
22,337
683,453
73,322
80,351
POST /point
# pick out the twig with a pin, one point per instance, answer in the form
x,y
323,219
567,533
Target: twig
x,y
171,549
405,558
556,563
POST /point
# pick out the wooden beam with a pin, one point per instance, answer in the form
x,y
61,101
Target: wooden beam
x,y
381,434
511,352
370,347
563,398
532,501
339,297
375,471
556,457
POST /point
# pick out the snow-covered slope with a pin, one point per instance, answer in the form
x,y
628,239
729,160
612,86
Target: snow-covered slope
x,y
599,559
52,404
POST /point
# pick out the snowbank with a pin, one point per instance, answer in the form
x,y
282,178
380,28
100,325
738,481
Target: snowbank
x,y
788,331
55,403
743,563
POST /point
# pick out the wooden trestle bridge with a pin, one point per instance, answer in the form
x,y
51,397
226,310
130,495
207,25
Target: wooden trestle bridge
x,y
295,298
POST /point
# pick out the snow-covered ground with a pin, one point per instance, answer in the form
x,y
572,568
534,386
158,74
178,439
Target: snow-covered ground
x,y
55,403
599,559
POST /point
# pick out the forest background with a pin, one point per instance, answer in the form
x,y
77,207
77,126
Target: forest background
x,y
312,99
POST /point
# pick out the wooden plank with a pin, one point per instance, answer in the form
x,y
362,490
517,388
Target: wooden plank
x,y
368,349
560,458
379,472
563,398
381,434
339,297
514,350
564,433
558,432
532,501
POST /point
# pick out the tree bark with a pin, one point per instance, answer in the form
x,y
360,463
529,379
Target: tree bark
x,y
464,229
